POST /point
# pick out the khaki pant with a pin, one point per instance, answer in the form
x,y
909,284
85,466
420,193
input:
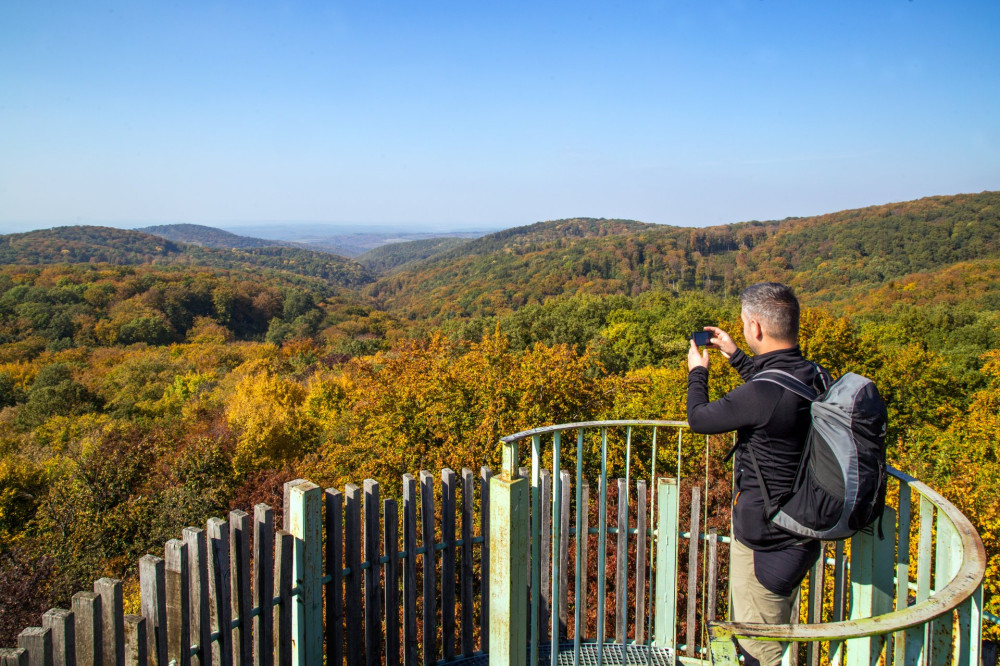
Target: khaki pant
x,y
752,602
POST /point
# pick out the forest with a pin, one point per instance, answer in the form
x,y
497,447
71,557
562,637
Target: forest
x,y
146,385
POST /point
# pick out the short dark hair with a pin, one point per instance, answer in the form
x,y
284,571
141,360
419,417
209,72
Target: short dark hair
x,y
775,307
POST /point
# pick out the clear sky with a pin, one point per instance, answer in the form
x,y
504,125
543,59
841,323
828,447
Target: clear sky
x,y
480,113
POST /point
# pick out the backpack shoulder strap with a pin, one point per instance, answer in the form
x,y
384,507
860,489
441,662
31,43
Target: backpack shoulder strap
x,y
788,381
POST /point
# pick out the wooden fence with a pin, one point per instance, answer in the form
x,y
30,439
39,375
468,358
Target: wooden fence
x,y
345,577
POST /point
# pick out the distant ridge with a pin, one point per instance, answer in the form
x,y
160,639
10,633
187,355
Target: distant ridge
x,y
826,257
197,234
124,247
394,256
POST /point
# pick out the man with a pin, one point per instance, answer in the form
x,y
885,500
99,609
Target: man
x,y
767,564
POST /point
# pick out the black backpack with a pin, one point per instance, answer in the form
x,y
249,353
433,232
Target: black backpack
x,y
840,484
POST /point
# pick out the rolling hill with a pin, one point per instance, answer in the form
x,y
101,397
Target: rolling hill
x,y
94,245
827,258
197,234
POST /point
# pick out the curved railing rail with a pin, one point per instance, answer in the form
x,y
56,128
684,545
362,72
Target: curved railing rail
x,y
877,603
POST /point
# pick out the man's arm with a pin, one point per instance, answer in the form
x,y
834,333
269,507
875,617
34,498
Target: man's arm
x,y
743,364
743,406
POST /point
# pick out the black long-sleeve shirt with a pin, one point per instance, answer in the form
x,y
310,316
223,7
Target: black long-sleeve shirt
x,y
770,419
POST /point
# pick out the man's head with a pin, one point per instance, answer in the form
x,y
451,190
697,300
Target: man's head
x,y
770,314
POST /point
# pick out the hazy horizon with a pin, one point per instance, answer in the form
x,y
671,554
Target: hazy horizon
x,y
471,115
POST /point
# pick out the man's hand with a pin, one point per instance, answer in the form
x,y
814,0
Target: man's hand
x,y
722,341
697,359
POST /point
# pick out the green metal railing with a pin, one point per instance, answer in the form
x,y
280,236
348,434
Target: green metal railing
x,y
877,601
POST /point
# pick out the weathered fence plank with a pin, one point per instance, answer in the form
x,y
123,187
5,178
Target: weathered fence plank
x,y
154,608
61,623
410,640
178,605
37,642
448,506
201,625
87,624
239,580
334,501
390,516
354,582
112,620
14,657
136,642
373,578
263,585
430,583
466,576
218,591
284,552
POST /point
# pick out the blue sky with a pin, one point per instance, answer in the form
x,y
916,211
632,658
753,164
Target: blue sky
x,y
478,114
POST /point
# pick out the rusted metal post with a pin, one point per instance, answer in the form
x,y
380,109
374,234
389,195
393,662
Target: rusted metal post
x,y
508,563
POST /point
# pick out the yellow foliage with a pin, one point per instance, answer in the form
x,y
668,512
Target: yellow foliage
x,y
272,427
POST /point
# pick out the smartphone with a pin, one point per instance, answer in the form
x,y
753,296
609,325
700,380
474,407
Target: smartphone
x,y
702,338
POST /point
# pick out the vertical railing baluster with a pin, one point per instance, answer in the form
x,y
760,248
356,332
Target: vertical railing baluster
x,y
558,565
814,610
692,572
585,590
919,638
580,593
565,488
947,561
641,545
712,549
602,545
839,600
545,555
536,568
621,568
902,570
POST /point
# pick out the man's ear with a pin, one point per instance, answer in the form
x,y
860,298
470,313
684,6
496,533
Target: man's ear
x,y
755,330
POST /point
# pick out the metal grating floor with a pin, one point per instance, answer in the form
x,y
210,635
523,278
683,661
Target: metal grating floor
x,y
635,655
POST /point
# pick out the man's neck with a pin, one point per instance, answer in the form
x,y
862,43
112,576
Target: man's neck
x,y
768,345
